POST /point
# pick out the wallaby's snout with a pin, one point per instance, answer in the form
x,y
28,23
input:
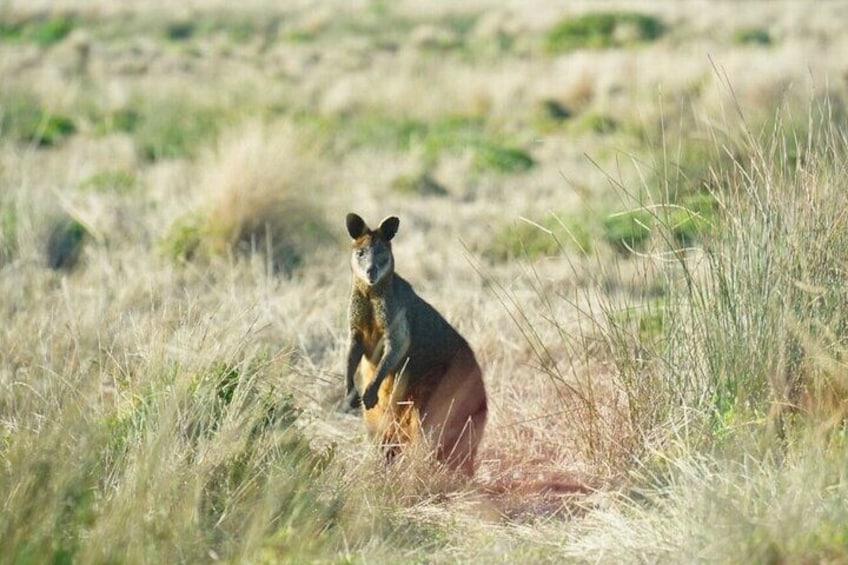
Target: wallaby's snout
x,y
372,273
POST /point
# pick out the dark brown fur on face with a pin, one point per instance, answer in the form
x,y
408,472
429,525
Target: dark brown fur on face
x,y
414,374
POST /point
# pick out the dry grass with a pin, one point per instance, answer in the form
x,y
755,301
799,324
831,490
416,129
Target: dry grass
x,y
258,194
660,398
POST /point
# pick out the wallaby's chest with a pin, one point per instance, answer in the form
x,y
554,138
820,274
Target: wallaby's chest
x,y
369,317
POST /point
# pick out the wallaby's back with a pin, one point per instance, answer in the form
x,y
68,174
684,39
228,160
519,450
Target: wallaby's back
x,y
432,339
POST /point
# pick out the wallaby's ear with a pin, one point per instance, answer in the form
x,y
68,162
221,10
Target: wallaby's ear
x,y
355,226
389,227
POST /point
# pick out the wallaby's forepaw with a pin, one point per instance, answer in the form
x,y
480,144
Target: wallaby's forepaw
x,y
369,399
351,402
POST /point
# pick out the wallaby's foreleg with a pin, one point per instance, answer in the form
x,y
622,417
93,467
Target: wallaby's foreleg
x,y
354,356
395,347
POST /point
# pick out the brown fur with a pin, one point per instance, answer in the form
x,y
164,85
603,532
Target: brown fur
x,y
415,374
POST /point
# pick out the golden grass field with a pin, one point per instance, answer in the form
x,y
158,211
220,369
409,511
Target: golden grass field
x,y
635,212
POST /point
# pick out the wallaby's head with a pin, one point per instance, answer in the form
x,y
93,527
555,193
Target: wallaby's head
x,y
371,259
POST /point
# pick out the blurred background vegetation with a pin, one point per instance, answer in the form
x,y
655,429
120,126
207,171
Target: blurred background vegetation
x,y
636,214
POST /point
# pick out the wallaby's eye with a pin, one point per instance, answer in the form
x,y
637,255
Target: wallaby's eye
x,y
360,253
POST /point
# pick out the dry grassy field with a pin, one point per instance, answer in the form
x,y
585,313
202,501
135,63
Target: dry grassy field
x,y
635,212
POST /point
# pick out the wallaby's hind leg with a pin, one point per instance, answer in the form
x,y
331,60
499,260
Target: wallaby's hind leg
x,y
455,414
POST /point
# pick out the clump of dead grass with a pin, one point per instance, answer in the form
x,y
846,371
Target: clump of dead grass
x,y
740,406
722,359
263,197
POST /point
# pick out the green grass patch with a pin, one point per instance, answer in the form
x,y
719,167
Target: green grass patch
x,y
241,27
52,128
390,132
44,31
752,36
449,135
689,219
460,23
299,36
53,30
184,238
234,25
182,30
689,161
386,27
110,180
692,218
597,122
126,120
8,230
177,129
167,127
645,321
628,230
24,119
525,240
502,158
600,30
422,184
551,114
10,31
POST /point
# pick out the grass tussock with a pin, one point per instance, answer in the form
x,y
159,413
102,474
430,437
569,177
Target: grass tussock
x,y
750,374
757,316
786,231
262,200
195,461
728,510
724,373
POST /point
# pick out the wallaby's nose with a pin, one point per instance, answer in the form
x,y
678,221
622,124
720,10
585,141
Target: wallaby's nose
x,y
372,273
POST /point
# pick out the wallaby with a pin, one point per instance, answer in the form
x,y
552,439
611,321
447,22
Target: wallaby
x,y
414,374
